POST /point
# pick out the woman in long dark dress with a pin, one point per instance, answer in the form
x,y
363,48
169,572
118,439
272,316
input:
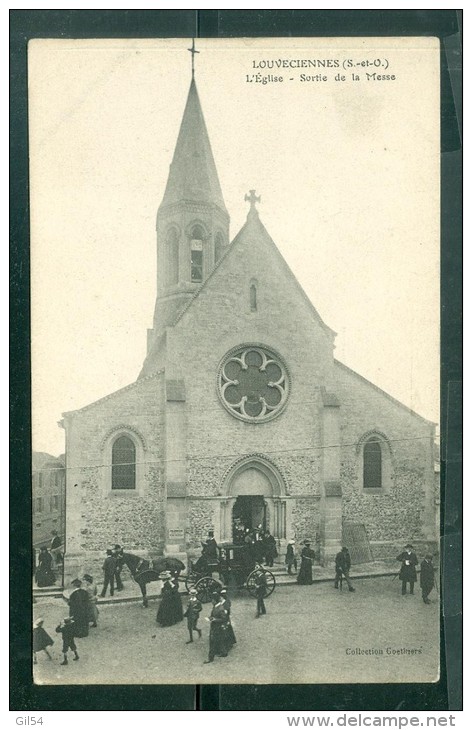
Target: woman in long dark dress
x,y
170,610
44,572
290,557
230,637
79,609
218,624
305,576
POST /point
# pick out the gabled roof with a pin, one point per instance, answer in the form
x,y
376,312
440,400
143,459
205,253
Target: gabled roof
x,y
254,226
192,175
341,366
135,384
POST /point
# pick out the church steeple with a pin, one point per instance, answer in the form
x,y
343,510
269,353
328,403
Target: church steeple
x,y
193,175
192,221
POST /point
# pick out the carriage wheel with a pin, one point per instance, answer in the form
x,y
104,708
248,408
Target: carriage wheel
x,y
205,587
251,584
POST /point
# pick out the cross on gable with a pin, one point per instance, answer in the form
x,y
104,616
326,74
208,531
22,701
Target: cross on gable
x,y
252,198
193,52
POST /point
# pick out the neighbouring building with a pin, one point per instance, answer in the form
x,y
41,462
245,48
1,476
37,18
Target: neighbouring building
x,y
48,497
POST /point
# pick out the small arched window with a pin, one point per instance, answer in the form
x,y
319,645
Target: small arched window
x,y
253,297
123,460
172,257
372,464
196,254
219,245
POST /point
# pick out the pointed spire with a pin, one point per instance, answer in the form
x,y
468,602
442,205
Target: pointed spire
x,y
193,176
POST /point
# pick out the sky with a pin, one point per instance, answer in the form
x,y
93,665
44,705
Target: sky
x,y
348,172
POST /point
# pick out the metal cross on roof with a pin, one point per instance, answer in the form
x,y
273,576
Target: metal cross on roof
x,y
193,52
252,198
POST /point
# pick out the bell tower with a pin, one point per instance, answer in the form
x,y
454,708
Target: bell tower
x,y
192,221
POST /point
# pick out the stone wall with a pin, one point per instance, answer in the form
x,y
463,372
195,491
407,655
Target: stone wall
x,y
97,516
401,510
205,476
200,519
306,523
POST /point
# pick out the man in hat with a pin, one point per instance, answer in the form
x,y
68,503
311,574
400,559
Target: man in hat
x,y
55,548
407,572
269,549
209,555
67,629
192,614
218,622
261,590
109,569
211,547
305,576
342,568
117,553
79,608
426,577
290,557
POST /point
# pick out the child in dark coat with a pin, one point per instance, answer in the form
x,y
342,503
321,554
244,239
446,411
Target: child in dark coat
x,y
261,592
290,557
193,614
67,629
41,639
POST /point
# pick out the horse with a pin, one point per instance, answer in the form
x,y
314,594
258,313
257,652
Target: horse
x,y
146,571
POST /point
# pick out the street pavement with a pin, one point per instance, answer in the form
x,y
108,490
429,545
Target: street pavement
x,y
311,634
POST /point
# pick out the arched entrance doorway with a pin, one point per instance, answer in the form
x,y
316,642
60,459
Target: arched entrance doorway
x,y
252,488
254,496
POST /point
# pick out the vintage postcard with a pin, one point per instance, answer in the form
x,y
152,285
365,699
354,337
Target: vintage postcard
x,y
235,360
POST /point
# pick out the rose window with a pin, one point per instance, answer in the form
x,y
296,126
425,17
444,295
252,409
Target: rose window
x,y
253,383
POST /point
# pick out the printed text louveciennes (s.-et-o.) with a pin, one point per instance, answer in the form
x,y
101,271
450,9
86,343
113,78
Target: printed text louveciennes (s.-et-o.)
x,y
345,70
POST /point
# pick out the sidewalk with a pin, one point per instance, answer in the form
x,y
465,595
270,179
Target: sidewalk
x,y
132,593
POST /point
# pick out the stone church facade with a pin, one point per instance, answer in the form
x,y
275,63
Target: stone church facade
x,y
240,413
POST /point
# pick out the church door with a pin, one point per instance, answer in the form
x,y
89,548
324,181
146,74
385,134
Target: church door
x,y
254,497
249,512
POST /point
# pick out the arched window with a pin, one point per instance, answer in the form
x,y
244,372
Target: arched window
x,y
219,245
172,257
253,297
372,464
123,460
196,254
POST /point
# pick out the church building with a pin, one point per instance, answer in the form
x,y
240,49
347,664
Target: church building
x,y
241,416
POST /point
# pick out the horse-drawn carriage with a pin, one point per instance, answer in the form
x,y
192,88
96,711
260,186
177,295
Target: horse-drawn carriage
x,y
235,566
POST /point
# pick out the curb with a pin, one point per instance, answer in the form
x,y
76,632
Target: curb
x,y
154,596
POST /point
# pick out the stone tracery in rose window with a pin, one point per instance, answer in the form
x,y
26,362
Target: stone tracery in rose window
x,y
253,383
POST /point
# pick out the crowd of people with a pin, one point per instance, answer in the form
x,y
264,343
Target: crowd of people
x,y
408,574
82,601
261,544
83,598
